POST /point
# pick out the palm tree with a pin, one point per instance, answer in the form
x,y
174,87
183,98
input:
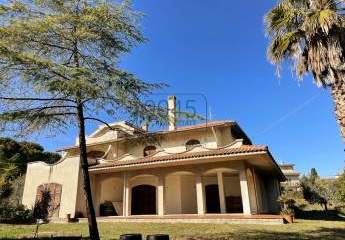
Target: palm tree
x,y
310,34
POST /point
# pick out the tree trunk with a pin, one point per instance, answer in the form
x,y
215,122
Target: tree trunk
x,y
338,93
91,216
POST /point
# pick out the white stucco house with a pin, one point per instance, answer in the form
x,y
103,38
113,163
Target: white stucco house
x,y
210,169
292,176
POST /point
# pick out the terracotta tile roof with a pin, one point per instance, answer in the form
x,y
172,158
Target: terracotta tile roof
x,y
185,155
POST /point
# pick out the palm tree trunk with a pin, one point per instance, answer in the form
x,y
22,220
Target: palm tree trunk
x,y
338,93
93,229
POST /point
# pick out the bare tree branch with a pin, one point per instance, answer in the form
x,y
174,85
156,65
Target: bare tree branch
x,y
39,109
37,99
101,121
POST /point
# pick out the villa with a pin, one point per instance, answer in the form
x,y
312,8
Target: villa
x,y
291,175
210,169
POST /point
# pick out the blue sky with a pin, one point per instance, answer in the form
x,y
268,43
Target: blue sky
x,y
218,48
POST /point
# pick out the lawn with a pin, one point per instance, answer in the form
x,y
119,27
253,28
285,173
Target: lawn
x,y
302,229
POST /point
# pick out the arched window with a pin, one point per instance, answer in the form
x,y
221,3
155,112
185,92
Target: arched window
x,y
192,143
149,150
95,154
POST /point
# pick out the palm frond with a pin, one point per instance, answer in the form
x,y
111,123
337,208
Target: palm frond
x,y
284,46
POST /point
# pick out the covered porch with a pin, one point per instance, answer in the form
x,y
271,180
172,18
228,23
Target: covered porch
x,y
220,190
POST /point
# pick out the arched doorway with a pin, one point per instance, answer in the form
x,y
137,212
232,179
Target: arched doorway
x,y
143,200
50,192
212,198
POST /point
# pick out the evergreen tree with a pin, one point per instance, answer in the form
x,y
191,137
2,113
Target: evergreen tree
x,y
316,190
314,176
59,66
21,153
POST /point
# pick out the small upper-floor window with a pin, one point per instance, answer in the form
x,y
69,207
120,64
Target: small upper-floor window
x,y
192,143
95,154
149,150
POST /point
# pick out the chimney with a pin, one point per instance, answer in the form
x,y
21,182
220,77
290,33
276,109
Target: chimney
x,y
145,126
172,112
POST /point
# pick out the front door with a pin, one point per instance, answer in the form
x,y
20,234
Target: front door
x,y
212,198
143,200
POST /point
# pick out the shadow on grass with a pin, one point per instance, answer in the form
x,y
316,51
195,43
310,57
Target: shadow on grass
x,y
330,215
320,234
48,238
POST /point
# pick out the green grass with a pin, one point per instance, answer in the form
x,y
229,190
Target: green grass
x,y
302,229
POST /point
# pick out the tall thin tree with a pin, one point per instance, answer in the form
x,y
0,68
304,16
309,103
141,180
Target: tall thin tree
x,y
59,66
311,34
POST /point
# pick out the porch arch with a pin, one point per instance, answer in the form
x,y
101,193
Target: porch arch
x,y
180,193
111,194
143,179
222,190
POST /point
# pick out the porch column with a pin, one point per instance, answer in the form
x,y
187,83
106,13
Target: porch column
x,y
221,192
244,191
200,196
160,197
126,196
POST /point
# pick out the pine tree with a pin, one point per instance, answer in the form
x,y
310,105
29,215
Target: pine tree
x,y
59,66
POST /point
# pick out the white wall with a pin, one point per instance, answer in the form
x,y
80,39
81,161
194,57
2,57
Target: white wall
x,y
111,190
188,195
65,173
180,194
173,194
232,186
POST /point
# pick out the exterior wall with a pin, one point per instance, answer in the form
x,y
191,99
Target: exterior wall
x,y
65,173
273,192
173,194
111,190
188,195
173,143
223,136
232,186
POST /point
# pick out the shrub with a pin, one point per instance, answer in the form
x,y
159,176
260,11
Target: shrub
x,y
15,214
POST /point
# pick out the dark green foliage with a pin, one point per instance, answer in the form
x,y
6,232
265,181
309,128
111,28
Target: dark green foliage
x,y
319,191
58,55
43,206
17,188
314,176
341,188
15,214
14,157
60,67
21,153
